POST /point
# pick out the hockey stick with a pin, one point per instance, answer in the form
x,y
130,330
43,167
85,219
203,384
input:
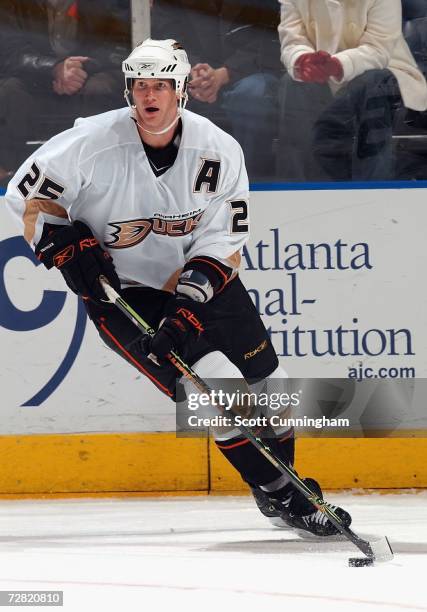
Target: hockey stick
x,y
375,550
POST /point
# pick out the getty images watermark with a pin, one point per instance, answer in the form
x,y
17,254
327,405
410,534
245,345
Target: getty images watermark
x,y
316,407
236,408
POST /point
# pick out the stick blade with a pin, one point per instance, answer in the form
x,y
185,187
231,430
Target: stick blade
x,y
382,550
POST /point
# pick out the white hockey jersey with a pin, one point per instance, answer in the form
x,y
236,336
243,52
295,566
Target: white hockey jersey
x,y
98,172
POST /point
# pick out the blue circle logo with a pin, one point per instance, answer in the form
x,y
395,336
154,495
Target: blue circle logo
x,y
51,305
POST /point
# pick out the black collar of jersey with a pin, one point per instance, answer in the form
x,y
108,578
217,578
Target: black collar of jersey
x,y
161,159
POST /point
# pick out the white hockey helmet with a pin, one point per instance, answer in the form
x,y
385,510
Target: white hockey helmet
x,y
158,59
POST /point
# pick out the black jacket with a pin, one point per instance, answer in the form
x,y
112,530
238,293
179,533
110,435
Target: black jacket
x,y
251,40
103,33
239,34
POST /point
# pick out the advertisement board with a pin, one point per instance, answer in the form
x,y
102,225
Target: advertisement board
x,y
336,275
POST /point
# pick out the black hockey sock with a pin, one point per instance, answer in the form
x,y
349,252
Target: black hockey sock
x,y
253,467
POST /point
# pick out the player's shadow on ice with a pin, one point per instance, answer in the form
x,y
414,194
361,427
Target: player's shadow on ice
x,y
281,544
291,544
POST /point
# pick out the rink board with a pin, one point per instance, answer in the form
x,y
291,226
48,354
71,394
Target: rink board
x,y
103,462
160,462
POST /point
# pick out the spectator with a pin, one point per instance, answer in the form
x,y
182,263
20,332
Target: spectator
x,y
410,126
57,57
234,51
348,68
415,30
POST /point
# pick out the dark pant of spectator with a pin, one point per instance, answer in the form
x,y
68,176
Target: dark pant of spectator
x,y
251,107
338,138
28,113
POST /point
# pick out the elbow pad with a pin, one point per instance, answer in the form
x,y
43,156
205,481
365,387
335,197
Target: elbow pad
x,y
202,278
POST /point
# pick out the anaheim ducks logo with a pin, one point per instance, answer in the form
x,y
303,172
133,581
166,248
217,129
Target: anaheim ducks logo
x,y
127,234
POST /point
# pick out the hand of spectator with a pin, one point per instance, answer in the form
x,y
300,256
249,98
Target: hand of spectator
x,y
313,67
207,81
334,68
69,76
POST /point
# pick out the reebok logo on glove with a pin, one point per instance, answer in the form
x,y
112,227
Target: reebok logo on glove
x,y
191,318
88,243
76,252
175,331
64,256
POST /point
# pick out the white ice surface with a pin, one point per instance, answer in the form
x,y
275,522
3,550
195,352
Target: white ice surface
x,y
209,553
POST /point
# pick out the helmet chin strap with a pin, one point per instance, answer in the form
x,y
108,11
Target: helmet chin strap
x,y
166,129
181,104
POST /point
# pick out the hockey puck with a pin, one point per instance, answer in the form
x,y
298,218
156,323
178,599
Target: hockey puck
x,y
360,561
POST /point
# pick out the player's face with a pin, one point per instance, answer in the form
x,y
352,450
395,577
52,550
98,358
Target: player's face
x,y
155,101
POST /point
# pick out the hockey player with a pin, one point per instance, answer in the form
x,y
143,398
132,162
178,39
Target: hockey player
x,y
155,198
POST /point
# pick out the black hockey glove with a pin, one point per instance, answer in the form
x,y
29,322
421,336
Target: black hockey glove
x,y
199,282
180,326
75,251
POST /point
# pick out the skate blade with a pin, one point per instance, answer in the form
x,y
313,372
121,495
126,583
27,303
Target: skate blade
x,y
278,522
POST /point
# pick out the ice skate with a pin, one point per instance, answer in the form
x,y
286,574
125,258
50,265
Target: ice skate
x,y
288,508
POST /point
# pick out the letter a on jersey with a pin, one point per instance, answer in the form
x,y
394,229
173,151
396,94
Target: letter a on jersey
x,y
208,175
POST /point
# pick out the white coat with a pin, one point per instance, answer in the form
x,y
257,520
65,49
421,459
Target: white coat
x,y
362,34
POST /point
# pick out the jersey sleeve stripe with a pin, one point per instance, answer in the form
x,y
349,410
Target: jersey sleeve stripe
x,y
33,208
